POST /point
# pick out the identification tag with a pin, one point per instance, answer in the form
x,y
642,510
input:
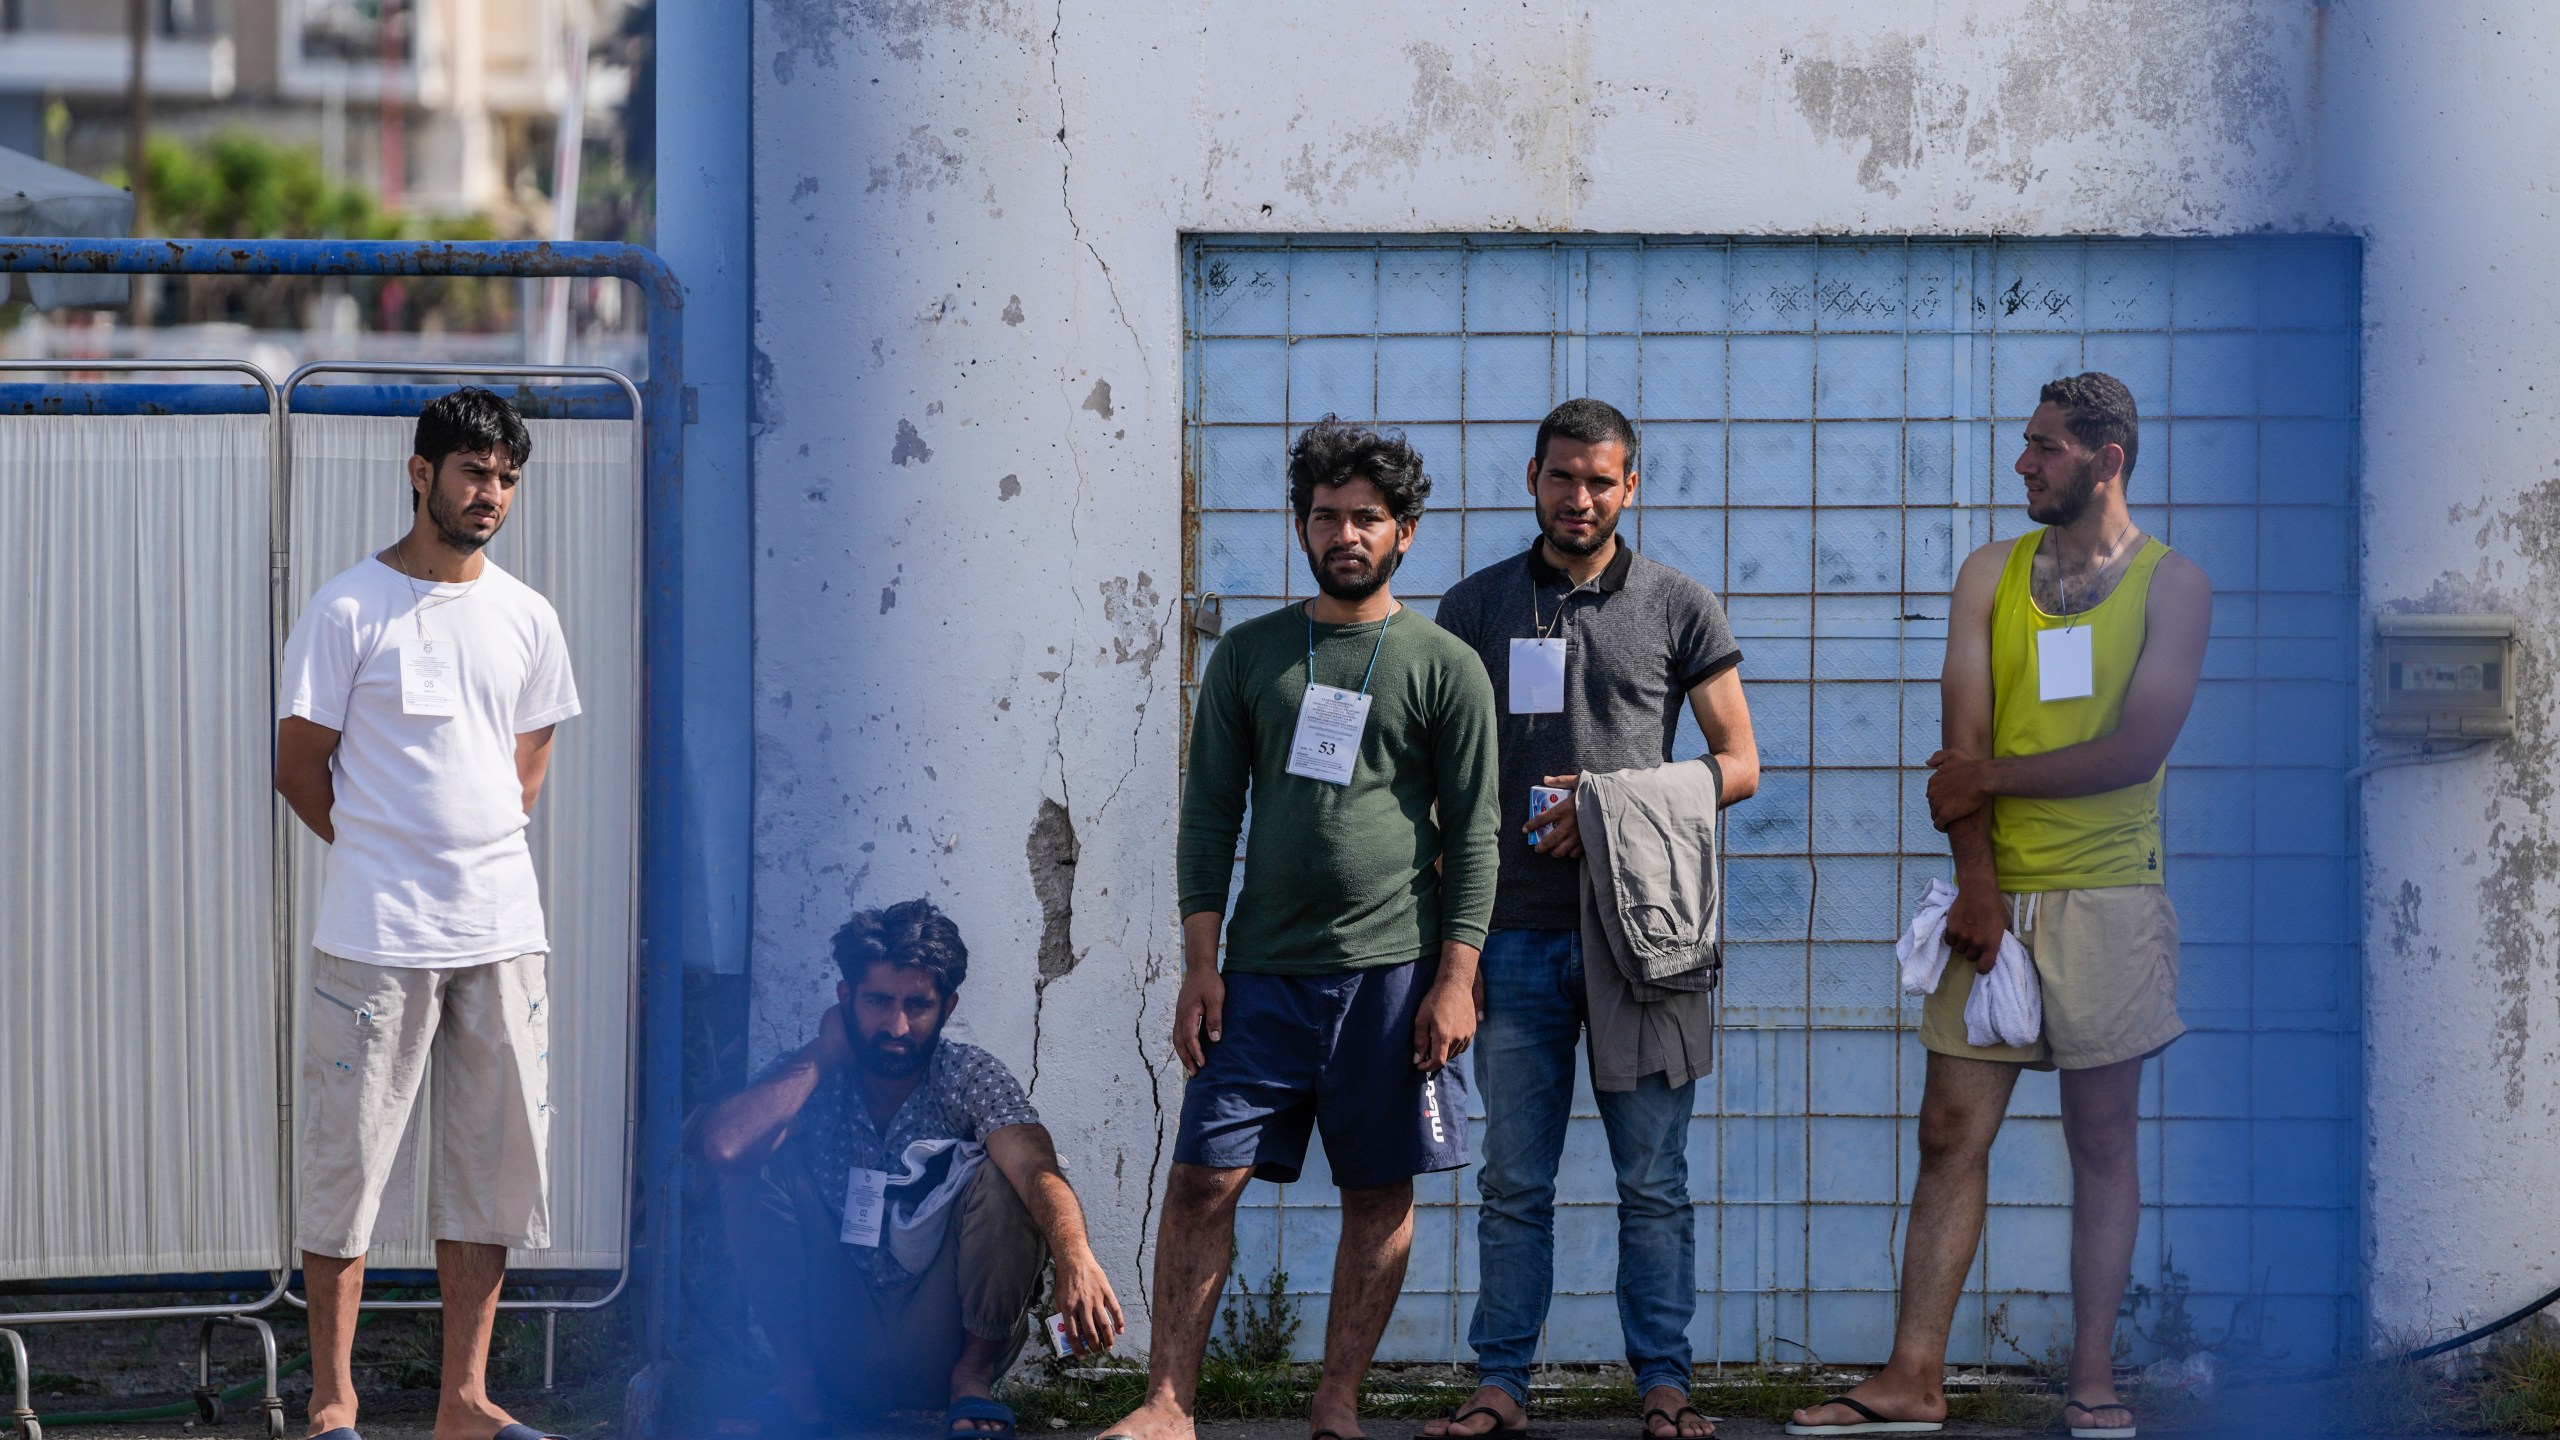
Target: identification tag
x,y
426,683
1537,677
1330,724
2065,664
866,1204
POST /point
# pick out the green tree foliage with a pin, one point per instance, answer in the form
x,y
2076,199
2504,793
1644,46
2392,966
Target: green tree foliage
x,y
244,185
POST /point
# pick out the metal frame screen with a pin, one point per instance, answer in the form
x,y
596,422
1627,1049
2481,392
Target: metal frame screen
x,y
1827,430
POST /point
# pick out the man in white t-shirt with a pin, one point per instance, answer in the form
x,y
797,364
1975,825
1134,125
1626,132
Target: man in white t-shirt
x,y
419,694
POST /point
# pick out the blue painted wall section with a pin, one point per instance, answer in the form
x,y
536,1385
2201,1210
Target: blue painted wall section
x,y
1828,429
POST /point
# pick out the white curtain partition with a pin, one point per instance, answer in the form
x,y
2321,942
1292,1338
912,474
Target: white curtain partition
x,y
138,1058
574,535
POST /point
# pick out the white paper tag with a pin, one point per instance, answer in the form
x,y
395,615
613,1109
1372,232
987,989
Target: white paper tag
x,y
426,681
1537,677
1330,724
866,1204
2065,664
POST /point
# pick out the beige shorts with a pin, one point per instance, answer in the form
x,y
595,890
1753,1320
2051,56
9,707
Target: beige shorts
x,y
2108,962
371,1030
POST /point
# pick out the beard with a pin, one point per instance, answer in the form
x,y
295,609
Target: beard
x,y
1603,529
1362,584
2068,501
451,523
885,1063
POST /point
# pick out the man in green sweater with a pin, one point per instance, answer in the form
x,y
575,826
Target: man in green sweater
x,y
1363,736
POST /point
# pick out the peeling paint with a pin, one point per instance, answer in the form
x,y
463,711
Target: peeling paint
x,y
1052,855
1490,109
1013,310
927,163
812,29
1008,487
909,446
2209,79
1132,612
1099,402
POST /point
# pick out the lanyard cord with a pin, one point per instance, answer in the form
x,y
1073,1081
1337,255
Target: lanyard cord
x,y
1540,626
1307,613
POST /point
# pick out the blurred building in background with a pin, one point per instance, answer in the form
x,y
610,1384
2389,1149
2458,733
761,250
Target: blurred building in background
x,y
371,118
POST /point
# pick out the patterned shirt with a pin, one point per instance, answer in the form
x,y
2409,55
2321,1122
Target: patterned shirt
x,y
965,1093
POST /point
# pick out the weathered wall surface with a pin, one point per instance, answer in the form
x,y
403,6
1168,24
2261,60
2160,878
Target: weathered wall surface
x,y
968,444
2462,513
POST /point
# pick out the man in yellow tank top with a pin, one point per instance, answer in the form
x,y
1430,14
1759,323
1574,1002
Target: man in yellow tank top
x,y
2072,657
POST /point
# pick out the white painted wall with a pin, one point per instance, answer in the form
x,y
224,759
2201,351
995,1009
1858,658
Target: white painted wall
x,y
968,455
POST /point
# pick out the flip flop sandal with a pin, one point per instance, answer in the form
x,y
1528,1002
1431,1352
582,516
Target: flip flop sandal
x,y
518,1430
2125,1431
1872,1424
1644,1427
343,1432
989,1411
1500,1430
1335,1435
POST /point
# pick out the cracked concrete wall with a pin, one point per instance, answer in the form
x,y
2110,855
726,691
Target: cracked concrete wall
x,y
968,381
2451,186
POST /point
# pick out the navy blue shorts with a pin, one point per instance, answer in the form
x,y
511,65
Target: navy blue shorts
x,y
1328,1052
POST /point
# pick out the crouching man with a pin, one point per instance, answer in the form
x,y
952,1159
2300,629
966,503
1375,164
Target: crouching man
x,y
890,1197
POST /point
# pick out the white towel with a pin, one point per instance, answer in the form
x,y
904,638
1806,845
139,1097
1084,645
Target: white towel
x,y
2006,1007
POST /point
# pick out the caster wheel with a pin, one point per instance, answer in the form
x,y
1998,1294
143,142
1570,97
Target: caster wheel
x,y
28,1429
275,1423
209,1407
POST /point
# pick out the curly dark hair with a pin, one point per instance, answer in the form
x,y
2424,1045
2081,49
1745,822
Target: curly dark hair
x,y
910,933
1593,422
2098,408
1333,451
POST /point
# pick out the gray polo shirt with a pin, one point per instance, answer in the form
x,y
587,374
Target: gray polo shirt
x,y
1638,639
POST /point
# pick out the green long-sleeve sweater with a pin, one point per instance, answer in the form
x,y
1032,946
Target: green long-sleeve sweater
x,y
1339,877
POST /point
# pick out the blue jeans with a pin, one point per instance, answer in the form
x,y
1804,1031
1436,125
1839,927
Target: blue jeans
x,y
1524,1058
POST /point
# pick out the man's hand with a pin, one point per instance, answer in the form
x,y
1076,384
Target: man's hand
x,y
1956,787
1200,1010
1564,832
1447,1024
833,1049
1085,1301
1975,924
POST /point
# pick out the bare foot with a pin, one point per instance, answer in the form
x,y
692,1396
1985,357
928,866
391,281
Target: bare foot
x,y
329,1415
1889,1395
1155,1420
460,1418
1333,1417
1683,1422
1507,1415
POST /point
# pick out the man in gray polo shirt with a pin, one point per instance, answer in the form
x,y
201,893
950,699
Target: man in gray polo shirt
x,y
1593,651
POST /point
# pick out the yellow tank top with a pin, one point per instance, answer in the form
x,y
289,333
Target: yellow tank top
x,y
2088,841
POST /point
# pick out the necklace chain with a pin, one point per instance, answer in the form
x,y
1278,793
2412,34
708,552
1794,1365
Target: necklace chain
x,y
2098,563
421,601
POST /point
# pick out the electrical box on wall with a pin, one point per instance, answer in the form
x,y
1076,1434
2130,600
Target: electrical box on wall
x,y
2448,675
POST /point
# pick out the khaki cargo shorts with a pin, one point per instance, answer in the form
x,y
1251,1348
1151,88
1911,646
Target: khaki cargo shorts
x,y
2108,962
371,1030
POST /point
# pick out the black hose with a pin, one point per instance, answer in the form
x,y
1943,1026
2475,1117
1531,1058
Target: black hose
x,y
2484,1332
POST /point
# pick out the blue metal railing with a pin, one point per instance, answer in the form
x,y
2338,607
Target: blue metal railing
x,y
666,824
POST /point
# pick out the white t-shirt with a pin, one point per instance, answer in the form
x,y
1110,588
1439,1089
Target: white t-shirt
x,y
430,868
